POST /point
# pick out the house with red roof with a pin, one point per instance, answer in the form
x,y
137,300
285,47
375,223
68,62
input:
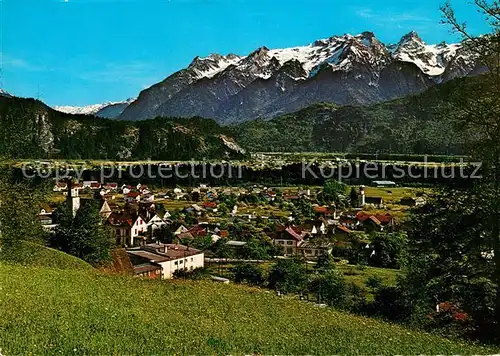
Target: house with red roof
x,y
198,231
111,186
210,206
326,212
289,239
374,221
341,230
133,197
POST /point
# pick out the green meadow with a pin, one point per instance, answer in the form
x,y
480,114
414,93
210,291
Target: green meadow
x,y
47,311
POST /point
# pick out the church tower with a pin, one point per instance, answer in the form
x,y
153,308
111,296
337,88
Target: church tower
x,y
72,198
362,197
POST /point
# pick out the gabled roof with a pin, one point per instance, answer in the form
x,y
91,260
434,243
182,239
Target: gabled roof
x,y
382,218
181,229
294,234
197,231
48,209
120,220
323,210
343,228
375,220
185,235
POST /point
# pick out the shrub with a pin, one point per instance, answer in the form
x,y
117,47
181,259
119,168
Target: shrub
x,y
288,276
247,273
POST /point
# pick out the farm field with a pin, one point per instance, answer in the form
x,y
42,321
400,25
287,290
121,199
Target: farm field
x,y
52,311
352,274
359,276
394,195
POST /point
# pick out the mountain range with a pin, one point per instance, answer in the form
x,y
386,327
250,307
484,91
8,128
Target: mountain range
x,y
107,110
343,70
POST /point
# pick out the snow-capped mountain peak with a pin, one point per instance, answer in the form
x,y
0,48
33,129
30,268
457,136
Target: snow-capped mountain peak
x,y
208,67
96,108
347,70
4,93
310,56
431,59
83,110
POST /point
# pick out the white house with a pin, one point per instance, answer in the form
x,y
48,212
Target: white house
x,y
148,198
314,249
92,184
155,223
170,257
138,228
178,193
133,197
126,189
318,230
126,228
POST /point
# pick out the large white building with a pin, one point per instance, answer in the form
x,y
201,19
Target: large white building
x,y
170,257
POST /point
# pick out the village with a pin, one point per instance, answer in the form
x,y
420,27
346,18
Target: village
x,y
165,232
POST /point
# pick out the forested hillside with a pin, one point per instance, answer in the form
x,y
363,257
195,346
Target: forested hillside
x,y
420,124
30,129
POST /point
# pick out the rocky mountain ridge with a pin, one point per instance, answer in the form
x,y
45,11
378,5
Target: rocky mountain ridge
x,y
345,70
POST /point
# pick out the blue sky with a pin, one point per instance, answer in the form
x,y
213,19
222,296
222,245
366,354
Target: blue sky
x,y
80,52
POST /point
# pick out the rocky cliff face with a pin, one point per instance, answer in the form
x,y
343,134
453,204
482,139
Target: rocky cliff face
x,y
342,69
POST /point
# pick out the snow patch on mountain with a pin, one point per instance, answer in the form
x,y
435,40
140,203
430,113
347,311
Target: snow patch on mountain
x,y
210,66
431,59
343,69
90,109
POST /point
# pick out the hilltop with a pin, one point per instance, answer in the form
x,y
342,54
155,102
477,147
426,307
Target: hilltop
x,y
31,129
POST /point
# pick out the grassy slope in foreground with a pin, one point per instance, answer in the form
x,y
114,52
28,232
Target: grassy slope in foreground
x,y
49,311
33,254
